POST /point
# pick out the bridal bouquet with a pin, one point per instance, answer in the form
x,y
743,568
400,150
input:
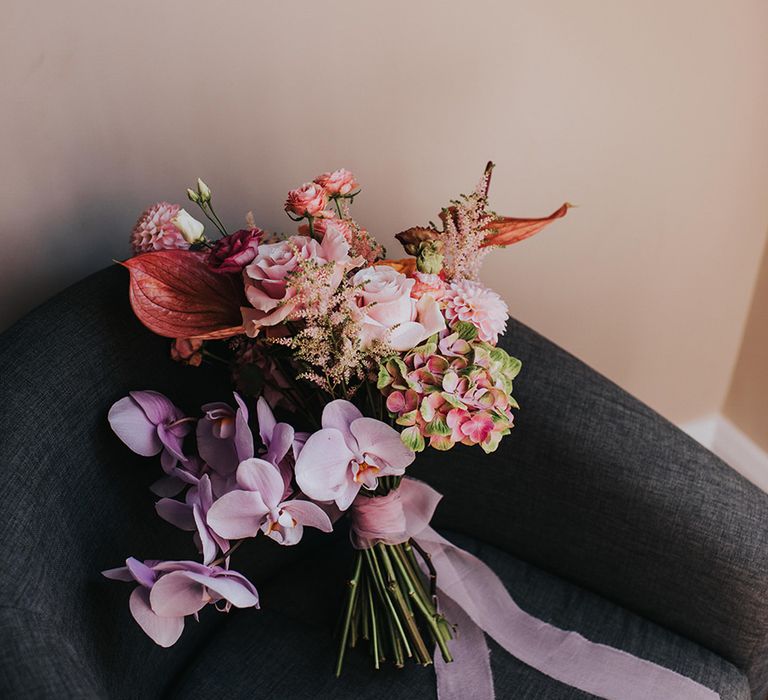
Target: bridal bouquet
x,y
346,365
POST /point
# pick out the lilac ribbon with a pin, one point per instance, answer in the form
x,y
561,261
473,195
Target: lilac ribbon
x,y
475,599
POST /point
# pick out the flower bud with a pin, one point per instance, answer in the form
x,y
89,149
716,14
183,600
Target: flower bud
x,y
204,191
429,258
412,239
190,228
193,196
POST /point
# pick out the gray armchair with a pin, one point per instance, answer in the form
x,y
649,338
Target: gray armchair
x,y
598,514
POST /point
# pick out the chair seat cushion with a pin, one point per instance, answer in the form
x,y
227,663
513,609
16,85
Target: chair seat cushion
x,y
286,649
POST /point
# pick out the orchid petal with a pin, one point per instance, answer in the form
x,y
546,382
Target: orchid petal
x,y
158,408
266,421
177,594
176,513
168,486
131,425
243,439
339,414
262,476
383,443
322,469
282,439
207,543
219,453
140,572
236,589
309,514
238,514
164,631
121,573
347,494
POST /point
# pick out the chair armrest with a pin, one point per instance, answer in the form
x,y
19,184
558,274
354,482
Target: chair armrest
x,y
594,486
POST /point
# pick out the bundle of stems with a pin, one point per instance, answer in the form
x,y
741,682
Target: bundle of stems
x,y
391,605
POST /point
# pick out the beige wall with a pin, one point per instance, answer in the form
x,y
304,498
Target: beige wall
x,y
747,401
651,116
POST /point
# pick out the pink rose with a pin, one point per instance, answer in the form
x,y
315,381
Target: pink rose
x,y
388,312
339,182
268,278
308,200
232,253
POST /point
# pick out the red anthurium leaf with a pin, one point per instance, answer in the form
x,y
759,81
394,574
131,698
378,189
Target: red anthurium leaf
x,y
175,294
507,230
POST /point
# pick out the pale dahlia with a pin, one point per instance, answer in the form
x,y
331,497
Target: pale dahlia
x,y
155,230
470,301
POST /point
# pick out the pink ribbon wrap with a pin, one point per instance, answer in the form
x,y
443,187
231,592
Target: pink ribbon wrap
x,y
476,600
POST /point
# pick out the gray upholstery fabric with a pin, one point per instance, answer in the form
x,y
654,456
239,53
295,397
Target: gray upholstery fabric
x,y
290,641
591,486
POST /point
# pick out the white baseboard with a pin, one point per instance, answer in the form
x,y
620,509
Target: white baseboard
x,y
721,436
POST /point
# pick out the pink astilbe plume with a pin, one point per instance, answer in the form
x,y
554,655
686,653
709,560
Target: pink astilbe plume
x,y
155,230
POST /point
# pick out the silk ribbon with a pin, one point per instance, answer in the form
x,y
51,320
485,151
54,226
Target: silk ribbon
x,y
474,599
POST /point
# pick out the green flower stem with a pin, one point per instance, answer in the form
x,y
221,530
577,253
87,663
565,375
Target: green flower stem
x,y
420,647
218,220
353,590
428,611
384,594
374,628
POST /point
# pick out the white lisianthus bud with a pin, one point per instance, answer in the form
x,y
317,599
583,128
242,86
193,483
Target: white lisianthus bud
x,y
203,190
193,196
190,228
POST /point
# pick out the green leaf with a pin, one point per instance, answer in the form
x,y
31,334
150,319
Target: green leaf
x,y
384,379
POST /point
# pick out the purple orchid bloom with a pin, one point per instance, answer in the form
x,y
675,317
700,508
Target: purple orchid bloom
x,y
149,424
223,436
259,505
187,473
193,517
168,591
281,441
350,451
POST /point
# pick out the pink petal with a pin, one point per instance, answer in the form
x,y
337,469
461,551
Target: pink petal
x,y
121,573
309,514
322,468
164,631
176,513
266,420
407,335
347,494
383,443
177,594
131,425
429,315
238,514
238,592
339,414
158,408
243,435
208,545
262,476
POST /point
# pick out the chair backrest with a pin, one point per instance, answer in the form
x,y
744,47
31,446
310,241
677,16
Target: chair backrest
x,y
75,501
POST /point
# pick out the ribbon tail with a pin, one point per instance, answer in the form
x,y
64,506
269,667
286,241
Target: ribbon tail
x,y
564,656
469,674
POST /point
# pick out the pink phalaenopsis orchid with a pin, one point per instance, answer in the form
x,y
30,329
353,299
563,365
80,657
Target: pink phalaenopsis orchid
x,y
149,424
223,436
168,591
259,505
192,515
349,452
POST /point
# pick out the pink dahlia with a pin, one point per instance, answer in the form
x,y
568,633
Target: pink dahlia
x,y
470,301
155,230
